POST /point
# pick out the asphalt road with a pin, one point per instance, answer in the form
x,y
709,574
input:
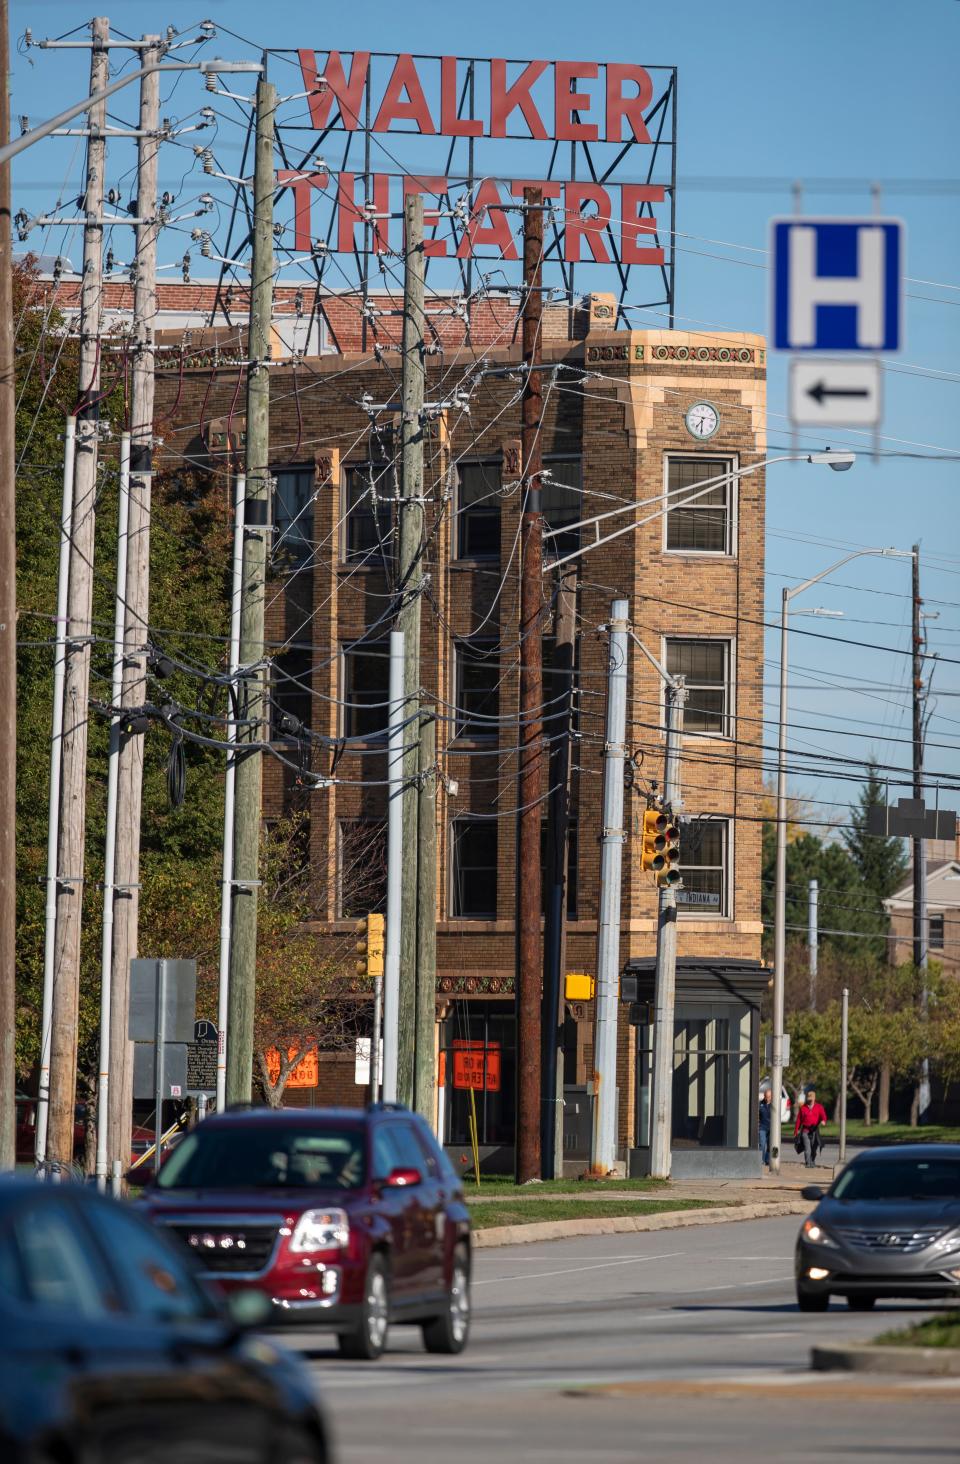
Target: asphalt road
x,y
674,1345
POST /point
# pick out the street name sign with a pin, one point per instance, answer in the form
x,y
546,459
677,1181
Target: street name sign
x,y
837,284
826,393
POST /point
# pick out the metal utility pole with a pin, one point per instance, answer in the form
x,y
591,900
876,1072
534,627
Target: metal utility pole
x,y
560,694
604,1148
126,895
410,576
391,964
665,994
920,942
8,638
813,898
530,734
844,1029
249,772
110,843
425,1081
73,786
229,793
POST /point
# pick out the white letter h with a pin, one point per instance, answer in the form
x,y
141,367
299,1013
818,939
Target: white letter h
x,y
865,290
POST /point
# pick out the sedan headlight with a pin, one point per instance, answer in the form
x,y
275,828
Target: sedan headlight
x,y
816,1234
321,1230
948,1242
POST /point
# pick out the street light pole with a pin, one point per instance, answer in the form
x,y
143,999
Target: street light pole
x,y
780,896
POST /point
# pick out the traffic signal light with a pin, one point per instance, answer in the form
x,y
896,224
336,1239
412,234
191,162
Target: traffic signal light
x,y
670,873
654,841
373,929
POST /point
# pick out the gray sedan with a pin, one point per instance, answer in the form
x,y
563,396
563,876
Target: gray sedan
x,y
888,1226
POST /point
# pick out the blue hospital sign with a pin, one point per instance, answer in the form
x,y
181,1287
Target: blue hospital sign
x,y
837,284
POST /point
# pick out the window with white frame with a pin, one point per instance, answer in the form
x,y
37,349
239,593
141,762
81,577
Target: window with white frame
x,y
699,521
705,866
706,666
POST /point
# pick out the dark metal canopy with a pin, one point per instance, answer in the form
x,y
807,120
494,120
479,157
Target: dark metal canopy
x,y
699,980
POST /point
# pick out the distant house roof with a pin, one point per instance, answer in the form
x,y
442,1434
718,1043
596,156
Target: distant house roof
x,y
943,888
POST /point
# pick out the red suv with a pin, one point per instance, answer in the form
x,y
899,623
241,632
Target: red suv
x,y
346,1219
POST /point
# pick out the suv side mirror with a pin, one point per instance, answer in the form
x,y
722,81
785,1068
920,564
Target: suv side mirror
x,y
811,1192
403,1178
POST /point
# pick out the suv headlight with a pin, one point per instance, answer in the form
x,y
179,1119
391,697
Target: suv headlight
x,y
321,1230
816,1234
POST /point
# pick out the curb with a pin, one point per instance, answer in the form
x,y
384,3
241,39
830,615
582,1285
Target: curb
x,y
497,1235
931,1362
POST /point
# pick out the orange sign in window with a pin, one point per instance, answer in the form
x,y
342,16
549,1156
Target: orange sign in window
x,y
306,1074
474,1067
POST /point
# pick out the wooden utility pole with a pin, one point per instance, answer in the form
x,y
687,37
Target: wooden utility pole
x,y
559,693
424,1086
126,896
409,579
8,638
530,738
73,789
249,772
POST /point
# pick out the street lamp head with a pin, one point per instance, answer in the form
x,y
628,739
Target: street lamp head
x,y
838,461
217,65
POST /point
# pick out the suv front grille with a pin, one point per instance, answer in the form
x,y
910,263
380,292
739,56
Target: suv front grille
x,y
228,1248
905,1242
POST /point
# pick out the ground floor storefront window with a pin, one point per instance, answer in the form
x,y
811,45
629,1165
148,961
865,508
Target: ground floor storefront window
x,y
478,1053
714,1085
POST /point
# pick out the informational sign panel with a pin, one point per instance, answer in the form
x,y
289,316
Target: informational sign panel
x,y
306,1074
836,284
202,1067
828,393
475,1066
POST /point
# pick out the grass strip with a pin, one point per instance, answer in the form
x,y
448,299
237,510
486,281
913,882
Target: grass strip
x,y
939,1331
898,1133
527,1212
562,1187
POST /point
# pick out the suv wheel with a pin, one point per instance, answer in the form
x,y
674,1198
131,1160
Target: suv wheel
x,y
369,1338
449,1331
812,1301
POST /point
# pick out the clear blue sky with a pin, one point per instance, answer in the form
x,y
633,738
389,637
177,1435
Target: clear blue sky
x,y
837,89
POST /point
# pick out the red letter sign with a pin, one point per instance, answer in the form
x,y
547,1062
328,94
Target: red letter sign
x,y
349,94
591,229
632,198
301,183
567,101
495,231
619,106
394,108
504,99
450,124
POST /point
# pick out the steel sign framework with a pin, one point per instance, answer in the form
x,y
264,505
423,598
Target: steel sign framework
x,y
362,129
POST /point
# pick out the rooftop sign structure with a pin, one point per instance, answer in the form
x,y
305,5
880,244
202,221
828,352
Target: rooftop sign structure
x,y
598,138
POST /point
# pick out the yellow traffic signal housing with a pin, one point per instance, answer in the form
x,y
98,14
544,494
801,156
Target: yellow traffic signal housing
x,y
373,929
653,841
577,987
670,875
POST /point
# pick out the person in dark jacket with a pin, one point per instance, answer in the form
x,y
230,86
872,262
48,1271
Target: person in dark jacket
x,y
766,1113
811,1116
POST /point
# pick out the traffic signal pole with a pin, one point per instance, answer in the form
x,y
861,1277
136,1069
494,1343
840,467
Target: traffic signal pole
x,y
666,979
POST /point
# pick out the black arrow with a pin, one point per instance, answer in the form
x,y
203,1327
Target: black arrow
x,y
821,390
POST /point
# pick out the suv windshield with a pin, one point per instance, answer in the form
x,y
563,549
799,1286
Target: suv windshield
x,y
900,1179
266,1156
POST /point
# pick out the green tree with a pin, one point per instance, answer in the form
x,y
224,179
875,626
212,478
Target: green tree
x,y
881,862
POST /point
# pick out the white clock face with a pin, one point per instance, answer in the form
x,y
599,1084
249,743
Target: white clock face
x,y
702,420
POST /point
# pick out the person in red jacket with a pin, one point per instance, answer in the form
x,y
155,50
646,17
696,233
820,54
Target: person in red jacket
x,y
810,1117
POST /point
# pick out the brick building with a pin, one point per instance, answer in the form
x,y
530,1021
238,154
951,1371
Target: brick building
x,y
617,430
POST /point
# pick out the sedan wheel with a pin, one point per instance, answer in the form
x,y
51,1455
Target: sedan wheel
x,y
448,1332
369,1338
812,1301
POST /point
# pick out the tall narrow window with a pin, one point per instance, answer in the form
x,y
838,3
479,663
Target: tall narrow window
x,y
706,666
473,869
368,513
704,865
291,698
361,866
478,688
699,522
561,500
366,688
478,511
293,516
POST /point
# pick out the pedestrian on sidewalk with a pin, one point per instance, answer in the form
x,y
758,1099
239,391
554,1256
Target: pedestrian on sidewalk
x,y
766,1113
811,1116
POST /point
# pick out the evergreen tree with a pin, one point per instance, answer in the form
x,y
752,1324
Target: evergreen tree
x,y
881,862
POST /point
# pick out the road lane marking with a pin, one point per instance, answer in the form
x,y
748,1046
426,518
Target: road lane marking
x,y
574,1270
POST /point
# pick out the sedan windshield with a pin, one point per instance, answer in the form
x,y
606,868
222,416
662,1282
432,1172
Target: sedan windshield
x,y
266,1156
900,1179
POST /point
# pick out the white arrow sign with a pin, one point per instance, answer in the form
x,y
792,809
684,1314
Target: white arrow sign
x,y
826,393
